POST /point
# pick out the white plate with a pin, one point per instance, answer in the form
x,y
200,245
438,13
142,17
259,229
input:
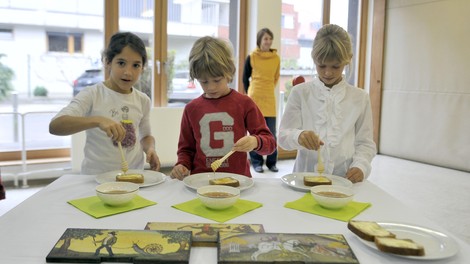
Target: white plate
x,y
202,179
436,244
296,180
150,177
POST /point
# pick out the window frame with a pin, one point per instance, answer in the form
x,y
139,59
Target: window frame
x,y
111,25
70,40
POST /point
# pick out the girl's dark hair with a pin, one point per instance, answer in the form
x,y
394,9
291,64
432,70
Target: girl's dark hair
x,y
121,40
261,33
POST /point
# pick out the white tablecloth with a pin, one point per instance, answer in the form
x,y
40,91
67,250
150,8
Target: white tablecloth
x,y
29,231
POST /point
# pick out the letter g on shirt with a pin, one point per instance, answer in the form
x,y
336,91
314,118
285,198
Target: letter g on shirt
x,y
226,135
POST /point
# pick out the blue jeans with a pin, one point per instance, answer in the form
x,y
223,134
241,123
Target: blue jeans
x,y
271,159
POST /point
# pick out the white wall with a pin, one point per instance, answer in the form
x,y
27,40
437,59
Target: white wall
x,y
426,82
260,15
165,122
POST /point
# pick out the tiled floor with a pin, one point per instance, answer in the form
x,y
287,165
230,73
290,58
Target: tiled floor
x,y
440,194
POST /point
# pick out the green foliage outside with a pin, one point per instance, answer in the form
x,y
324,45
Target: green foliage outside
x,y
288,88
40,91
145,83
6,75
289,64
171,70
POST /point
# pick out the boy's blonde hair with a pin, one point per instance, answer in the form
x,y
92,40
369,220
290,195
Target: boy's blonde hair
x,y
211,57
332,42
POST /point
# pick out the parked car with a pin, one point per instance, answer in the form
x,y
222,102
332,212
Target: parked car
x,y
183,90
89,77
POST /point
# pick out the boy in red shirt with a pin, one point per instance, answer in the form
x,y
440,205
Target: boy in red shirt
x,y
221,119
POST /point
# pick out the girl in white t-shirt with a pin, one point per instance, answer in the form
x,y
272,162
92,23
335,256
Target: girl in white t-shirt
x,y
331,113
113,111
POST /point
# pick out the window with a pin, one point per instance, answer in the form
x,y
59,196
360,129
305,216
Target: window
x,y
6,33
209,13
202,18
346,14
65,42
224,14
174,11
297,33
136,9
48,46
287,22
59,57
300,22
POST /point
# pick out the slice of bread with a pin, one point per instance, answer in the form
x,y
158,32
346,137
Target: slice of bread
x,y
135,178
405,247
229,181
368,230
316,180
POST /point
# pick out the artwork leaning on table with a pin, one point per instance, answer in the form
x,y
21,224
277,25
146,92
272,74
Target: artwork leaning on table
x,y
134,246
284,248
206,234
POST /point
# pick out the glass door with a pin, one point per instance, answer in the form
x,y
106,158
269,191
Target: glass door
x,y
49,50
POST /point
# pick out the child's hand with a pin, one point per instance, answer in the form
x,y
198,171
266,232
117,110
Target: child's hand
x,y
113,129
179,172
246,144
355,175
153,160
310,140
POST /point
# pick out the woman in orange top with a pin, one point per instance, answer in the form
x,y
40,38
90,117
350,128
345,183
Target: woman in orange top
x,y
260,76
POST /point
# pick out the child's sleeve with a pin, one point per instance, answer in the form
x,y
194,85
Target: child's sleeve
x,y
144,125
257,127
291,125
365,146
186,144
80,105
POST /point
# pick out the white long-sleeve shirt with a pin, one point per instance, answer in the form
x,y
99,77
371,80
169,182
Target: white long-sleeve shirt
x,y
340,115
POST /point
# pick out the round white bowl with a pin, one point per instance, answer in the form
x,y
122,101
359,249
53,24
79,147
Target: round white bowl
x,y
117,193
328,199
218,203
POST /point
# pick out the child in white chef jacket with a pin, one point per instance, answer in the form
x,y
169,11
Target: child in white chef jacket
x,y
330,113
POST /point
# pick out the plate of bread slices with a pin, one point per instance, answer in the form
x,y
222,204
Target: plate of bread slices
x,y
142,177
303,181
404,240
218,178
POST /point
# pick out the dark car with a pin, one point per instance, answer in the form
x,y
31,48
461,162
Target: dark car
x,y
89,77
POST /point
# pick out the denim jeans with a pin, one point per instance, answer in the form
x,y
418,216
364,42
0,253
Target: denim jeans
x,y
271,159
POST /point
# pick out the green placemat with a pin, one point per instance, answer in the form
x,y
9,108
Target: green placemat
x,y
309,205
96,208
196,207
